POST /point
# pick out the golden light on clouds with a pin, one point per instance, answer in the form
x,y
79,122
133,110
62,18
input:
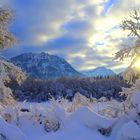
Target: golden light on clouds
x,y
95,38
81,55
137,65
86,30
43,38
87,67
120,65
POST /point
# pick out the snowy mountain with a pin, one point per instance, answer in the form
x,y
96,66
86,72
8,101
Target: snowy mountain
x,y
44,66
100,71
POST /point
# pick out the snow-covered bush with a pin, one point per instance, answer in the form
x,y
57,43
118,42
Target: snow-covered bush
x,y
54,118
50,126
129,122
133,97
111,109
9,71
78,101
5,95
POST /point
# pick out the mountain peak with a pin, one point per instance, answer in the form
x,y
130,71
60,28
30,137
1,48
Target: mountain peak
x,y
44,66
99,71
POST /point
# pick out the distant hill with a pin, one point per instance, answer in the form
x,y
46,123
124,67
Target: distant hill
x,y
44,66
99,71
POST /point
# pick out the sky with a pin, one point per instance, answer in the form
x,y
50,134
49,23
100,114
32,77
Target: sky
x,y
84,32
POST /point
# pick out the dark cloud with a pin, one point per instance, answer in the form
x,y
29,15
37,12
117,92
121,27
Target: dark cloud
x,y
36,17
77,26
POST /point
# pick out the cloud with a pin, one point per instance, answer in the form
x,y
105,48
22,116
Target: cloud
x,y
77,26
85,32
39,18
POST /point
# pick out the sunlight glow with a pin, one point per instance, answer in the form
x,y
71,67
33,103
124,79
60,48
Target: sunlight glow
x,y
43,38
137,64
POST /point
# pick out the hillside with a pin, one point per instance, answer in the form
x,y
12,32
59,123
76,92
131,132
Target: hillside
x,y
44,66
99,71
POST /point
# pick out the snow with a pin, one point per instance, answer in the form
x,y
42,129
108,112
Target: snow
x,y
11,132
44,65
73,125
82,123
99,71
136,98
77,120
8,70
88,117
133,130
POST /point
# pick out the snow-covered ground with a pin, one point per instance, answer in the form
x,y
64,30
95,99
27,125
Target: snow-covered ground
x,y
80,119
57,120
81,124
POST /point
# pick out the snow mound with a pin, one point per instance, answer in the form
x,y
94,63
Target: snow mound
x,y
130,130
10,132
92,119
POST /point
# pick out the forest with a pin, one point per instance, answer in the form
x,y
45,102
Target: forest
x,y
38,90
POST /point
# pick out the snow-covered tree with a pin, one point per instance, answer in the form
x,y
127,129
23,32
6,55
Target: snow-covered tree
x,y
8,71
5,95
131,106
6,38
131,24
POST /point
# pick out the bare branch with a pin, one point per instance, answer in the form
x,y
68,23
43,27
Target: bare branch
x,y
131,24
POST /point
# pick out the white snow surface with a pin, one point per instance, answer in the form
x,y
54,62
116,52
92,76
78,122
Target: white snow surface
x,y
81,124
74,126
77,120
